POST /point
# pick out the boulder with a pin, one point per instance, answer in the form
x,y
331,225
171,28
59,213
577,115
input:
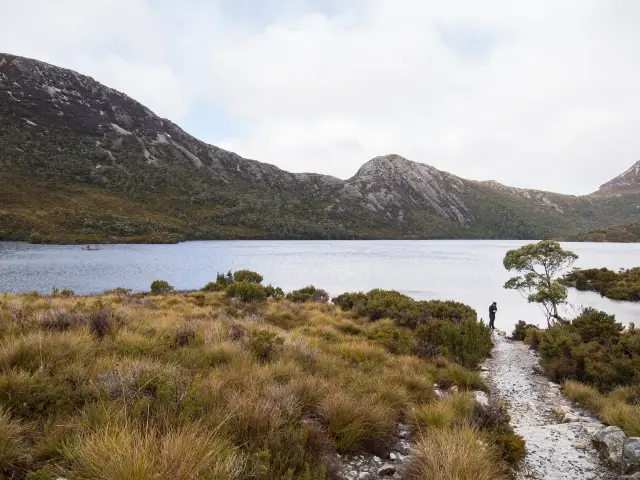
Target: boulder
x,y
632,455
610,441
482,400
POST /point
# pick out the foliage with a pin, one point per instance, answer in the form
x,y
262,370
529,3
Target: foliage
x,y
466,343
264,344
308,294
247,276
160,287
183,389
593,349
627,233
274,292
247,292
406,311
520,330
622,285
540,264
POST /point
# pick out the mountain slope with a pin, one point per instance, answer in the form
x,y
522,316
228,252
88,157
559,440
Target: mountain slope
x,y
629,233
81,162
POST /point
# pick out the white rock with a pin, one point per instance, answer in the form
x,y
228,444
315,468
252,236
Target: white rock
x,y
482,399
386,469
610,441
392,456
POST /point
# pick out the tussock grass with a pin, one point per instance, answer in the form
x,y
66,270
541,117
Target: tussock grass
x,y
621,407
460,453
200,385
123,453
12,447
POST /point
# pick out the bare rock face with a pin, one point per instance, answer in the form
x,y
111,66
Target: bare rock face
x,y
626,182
58,124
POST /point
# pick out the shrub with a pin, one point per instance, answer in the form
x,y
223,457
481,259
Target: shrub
x,y
467,343
461,453
274,292
308,294
58,319
247,276
247,292
396,339
378,304
592,349
119,291
104,321
347,301
532,337
160,287
520,331
265,344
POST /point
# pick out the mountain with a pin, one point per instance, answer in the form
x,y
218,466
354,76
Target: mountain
x,y
629,233
81,162
624,184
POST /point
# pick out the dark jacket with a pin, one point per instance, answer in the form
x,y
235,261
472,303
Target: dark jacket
x,y
492,311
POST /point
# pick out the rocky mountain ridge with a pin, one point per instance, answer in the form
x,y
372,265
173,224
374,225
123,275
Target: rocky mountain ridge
x,y
106,168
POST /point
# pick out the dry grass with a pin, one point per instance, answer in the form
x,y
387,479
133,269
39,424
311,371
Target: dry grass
x,y
621,407
196,386
460,453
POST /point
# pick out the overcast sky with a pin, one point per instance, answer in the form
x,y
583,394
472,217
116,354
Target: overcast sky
x,y
541,94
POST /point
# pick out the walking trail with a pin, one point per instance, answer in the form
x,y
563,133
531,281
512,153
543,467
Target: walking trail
x,y
555,450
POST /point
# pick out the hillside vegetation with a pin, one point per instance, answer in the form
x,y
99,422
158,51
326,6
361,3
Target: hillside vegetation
x,y
621,285
83,163
597,359
237,381
629,233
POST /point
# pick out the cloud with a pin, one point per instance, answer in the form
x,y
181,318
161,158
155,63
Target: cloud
x,y
533,94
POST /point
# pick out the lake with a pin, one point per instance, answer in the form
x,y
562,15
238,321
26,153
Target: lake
x,y
462,270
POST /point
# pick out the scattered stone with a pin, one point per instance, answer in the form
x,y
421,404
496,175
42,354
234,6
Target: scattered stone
x,y
386,470
377,459
392,456
580,446
610,441
364,476
482,400
453,389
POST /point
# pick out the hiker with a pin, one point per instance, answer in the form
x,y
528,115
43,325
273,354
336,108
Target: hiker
x,y
493,308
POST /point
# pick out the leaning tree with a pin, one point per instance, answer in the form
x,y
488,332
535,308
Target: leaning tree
x,y
540,265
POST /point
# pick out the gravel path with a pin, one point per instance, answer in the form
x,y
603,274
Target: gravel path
x,y
554,450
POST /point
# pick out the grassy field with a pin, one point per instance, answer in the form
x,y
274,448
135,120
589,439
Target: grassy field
x,y
204,386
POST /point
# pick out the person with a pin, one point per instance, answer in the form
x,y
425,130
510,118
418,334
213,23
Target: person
x,y
493,308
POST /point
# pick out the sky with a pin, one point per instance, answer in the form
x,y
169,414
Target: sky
x,y
537,94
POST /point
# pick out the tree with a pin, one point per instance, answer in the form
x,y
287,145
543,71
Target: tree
x,y
160,287
540,265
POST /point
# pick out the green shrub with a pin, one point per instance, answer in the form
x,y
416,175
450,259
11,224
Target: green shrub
x,y
520,331
247,276
274,292
308,294
592,349
66,293
247,292
222,282
407,312
347,301
532,337
265,344
160,287
467,343
396,339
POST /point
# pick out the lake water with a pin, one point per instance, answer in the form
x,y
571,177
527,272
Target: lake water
x,y
466,271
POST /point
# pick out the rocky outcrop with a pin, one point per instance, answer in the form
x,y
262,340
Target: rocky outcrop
x,y
620,451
